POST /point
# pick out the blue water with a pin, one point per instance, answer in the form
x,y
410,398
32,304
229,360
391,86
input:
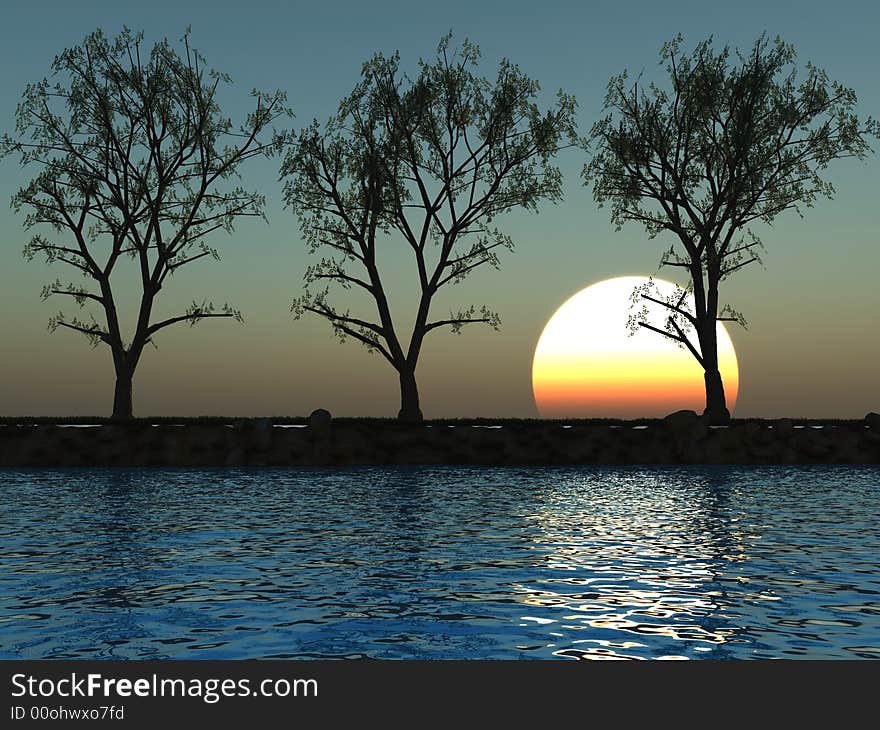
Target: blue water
x,y
441,563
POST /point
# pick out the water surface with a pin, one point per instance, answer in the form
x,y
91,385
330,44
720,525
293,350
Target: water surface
x,y
441,563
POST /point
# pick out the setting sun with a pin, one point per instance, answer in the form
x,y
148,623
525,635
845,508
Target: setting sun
x,y
587,365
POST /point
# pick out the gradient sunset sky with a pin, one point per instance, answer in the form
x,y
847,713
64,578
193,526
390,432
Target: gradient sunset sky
x,y
813,346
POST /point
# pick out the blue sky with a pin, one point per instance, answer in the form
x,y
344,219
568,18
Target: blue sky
x,y
815,299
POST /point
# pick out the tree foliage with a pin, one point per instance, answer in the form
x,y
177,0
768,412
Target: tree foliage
x,y
134,159
731,140
431,161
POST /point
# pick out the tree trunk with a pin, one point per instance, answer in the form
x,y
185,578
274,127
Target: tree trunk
x,y
409,397
716,404
122,409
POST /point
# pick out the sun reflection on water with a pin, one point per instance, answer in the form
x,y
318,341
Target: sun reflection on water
x,y
441,563
659,562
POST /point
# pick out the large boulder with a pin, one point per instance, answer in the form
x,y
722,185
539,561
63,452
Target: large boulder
x,y
686,426
872,420
681,420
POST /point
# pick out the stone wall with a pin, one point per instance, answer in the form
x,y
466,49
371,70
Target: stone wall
x,y
681,438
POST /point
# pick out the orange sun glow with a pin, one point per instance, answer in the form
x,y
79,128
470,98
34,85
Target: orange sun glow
x,y
587,365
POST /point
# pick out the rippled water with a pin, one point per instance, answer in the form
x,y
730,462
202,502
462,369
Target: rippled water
x,y
583,563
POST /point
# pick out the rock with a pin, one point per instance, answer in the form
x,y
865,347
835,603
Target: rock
x,y
686,422
320,423
873,420
687,428
681,419
320,419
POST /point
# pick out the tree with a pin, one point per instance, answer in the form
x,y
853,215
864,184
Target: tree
x,y
134,161
430,161
733,141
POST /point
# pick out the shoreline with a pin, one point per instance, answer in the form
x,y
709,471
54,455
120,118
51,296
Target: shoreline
x,y
681,438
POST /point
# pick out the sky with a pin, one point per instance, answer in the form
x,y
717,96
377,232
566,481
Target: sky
x,y
812,346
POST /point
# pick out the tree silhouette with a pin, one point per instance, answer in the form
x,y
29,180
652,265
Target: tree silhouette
x,y
431,160
733,140
135,158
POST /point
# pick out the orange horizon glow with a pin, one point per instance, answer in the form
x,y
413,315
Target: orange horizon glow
x,y
586,365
